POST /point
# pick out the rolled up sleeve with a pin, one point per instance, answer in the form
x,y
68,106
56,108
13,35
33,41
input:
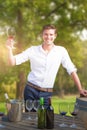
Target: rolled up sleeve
x,y
67,63
23,57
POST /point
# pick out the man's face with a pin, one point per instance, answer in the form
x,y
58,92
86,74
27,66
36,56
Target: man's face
x,y
48,36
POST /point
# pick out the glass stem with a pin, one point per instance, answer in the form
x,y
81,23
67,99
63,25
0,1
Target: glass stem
x,y
73,120
29,115
63,119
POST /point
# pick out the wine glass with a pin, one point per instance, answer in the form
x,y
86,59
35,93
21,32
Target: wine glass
x,y
36,105
23,105
11,33
73,109
29,106
63,109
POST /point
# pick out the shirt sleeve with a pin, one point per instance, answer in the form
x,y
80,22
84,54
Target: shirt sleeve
x,y
67,63
23,57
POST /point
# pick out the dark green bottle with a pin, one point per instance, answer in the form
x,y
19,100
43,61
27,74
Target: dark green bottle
x,y
41,114
50,116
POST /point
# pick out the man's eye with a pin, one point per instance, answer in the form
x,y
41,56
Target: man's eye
x,y
51,34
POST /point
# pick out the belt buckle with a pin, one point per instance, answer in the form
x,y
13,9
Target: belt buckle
x,y
49,89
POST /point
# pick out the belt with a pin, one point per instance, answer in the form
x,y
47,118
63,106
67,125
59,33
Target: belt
x,y
39,88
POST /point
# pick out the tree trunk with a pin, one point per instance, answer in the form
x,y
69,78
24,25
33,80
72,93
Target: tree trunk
x,y
21,75
20,85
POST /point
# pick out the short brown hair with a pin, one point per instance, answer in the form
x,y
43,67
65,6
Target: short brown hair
x,y
49,26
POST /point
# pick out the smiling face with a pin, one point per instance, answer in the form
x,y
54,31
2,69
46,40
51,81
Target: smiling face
x,y
49,36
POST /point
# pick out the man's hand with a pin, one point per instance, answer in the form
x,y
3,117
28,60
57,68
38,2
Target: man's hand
x,y
83,93
10,44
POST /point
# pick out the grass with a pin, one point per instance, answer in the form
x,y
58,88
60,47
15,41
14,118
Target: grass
x,y
2,107
55,101
66,99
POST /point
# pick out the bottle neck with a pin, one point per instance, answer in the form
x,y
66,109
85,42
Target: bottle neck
x,y
6,96
41,101
49,101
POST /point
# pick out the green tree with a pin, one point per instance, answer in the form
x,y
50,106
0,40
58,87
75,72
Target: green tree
x,y
28,17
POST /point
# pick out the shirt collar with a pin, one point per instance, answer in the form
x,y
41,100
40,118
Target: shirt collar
x,y
41,49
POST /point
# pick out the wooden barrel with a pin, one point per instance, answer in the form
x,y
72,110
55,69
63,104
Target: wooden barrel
x,y
82,101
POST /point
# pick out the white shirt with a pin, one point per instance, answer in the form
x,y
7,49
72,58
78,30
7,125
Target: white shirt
x,y
44,67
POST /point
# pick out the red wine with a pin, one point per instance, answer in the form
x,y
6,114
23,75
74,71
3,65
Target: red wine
x,y
50,116
73,113
1,113
63,113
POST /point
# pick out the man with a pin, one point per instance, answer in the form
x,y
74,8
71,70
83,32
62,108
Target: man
x,y
45,60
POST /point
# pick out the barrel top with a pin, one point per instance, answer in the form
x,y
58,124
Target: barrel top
x,y
82,98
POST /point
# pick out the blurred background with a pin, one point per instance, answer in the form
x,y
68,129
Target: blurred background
x,y
28,17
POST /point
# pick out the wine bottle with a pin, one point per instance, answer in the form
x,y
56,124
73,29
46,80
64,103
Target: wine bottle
x,y
41,114
7,98
50,116
8,102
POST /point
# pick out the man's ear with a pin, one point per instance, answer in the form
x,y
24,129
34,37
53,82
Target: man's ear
x,y
55,36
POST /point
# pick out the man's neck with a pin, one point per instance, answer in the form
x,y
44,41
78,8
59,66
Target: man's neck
x,y
47,47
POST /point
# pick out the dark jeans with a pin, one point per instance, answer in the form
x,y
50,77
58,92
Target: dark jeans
x,y
31,93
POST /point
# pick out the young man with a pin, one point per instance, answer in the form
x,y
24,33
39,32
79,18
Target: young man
x,y
45,60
